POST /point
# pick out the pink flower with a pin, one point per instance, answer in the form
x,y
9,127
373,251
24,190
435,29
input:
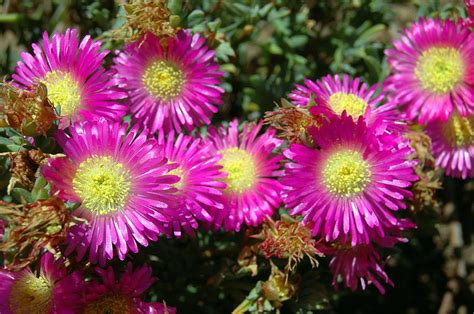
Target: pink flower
x,y
432,67
171,86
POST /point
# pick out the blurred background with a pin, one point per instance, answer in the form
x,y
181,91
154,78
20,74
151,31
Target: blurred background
x,y
265,47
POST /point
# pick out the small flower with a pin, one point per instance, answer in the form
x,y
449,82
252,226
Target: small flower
x,y
199,187
335,94
31,228
121,295
53,290
453,145
357,264
73,75
120,178
432,66
173,86
27,111
350,187
288,239
252,191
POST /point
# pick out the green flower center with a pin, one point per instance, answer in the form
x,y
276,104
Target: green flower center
x,y
352,104
240,168
109,304
439,70
459,131
102,184
164,80
346,173
63,91
30,294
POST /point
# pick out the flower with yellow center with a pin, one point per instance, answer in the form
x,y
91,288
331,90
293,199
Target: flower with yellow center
x,y
352,104
164,80
63,91
30,294
240,168
346,173
110,304
439,70
102,184
459,131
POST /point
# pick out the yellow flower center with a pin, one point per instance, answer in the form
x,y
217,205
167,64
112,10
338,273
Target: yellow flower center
x,y
439,70
180,173
109,304
352,104
346,173
102,184
240,168
30,294
164,80
459,131
63,91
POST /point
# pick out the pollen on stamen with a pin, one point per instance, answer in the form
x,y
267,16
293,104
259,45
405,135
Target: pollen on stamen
x,y
112,304
164,80
352,104
346,173
63,91
31,294
459,131
240,168
102,184
439,70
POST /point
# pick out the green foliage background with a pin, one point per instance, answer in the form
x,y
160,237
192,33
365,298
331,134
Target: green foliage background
x,y
265,47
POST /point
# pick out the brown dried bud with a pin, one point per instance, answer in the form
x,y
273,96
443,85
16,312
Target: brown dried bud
x,y
32,227
289,239
24,166
27,111
146,16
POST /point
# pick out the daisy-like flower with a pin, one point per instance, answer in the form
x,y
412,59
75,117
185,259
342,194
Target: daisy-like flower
x,y
53,290
357,264
432,67
333,95
171,86
252,191
349,188
199,187
453,145
73,75
120,178
121,295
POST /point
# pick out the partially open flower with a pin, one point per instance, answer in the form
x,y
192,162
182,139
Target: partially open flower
x,y
32,227
27,111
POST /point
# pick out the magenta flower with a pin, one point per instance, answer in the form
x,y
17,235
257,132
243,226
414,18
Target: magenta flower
x,y
348,190
73,74
120,178
432,70
173,86
53,290
357,264
121,295
252,170
199,187
333,95
453,145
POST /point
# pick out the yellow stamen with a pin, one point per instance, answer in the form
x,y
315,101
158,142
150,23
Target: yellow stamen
x,y
30,294
110,304
439,70
63,91
180,173
352,104
459,131
240,168
102,184
164,80
346,173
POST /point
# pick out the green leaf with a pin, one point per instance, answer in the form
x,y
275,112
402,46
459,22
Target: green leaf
x,y
195,17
